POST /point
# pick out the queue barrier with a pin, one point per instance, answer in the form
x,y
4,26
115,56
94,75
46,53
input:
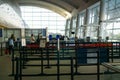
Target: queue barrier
x,y
100,49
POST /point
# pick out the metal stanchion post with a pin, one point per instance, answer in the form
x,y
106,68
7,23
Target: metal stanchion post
x,y
112,52
48,60
63,49
98,64
72,70
16,77
58,60
21,65
12,56
42,61
76,60
23,56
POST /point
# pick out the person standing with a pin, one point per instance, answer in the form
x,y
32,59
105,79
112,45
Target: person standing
x,y
32,39
38,38
11,43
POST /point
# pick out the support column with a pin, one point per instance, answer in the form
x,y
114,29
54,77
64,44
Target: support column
x,y
23,33
66,28
77,26
85,23
101,18
71,26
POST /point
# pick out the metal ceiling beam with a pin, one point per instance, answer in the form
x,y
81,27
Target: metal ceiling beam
x,y
46,5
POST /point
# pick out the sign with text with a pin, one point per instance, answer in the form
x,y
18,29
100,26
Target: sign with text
x,y
43,42
23,42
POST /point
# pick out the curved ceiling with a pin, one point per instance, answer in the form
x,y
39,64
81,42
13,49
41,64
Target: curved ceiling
x,y
62,7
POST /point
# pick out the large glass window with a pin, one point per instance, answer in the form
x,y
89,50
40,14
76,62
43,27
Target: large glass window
x,y
81,25
36,17
93,20
112,19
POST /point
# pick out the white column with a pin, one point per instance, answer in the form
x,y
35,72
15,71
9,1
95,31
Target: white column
x,y
23,33
77,26
101,18
71,26
66,27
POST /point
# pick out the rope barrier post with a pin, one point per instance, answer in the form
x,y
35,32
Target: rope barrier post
x,y
21,65
42,46
76,59
16,77
58,58
12,56
98,64
72,69
63,49
48,60
42,61
58,65
112,51
23,55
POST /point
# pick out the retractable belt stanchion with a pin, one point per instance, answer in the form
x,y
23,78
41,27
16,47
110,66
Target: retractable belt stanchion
x,y
76,59
12,59
58,59
42,61
72,69
112,51
21,63
24,56
63,49
98,64
47,46
16,77
48,60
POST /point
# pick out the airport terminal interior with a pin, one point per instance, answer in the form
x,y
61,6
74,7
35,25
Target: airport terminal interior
x,y
59,39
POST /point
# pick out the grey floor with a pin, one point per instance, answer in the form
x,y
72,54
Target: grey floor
x,y
5,71
5,68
